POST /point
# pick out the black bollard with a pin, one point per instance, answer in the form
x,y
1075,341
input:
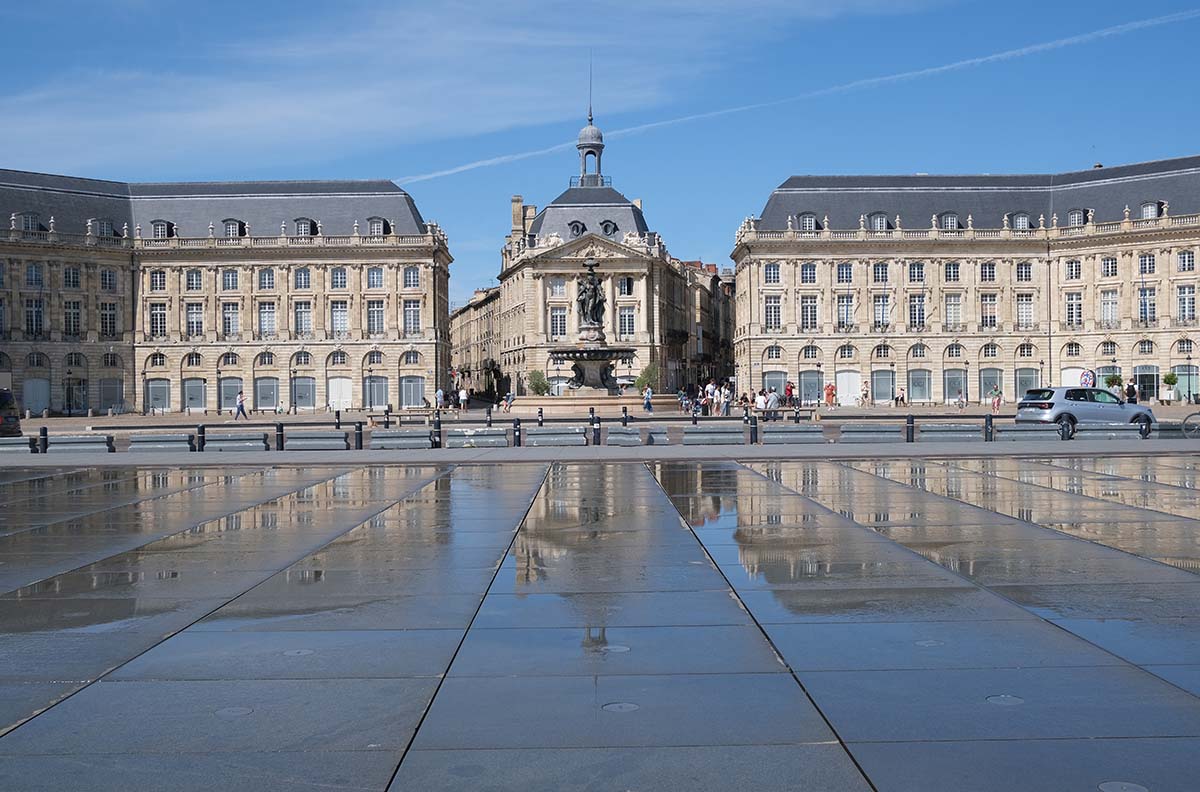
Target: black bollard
x,y
358,435
337,419
754,430
745,414
489,417
517,432
910,429
200,437
592,413
278,436
693,417
624,416
387,417
596,432
43,440
437,429
989,429
541,417
796,415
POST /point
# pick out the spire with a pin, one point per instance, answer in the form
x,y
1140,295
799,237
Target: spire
x,y
590,143
589,87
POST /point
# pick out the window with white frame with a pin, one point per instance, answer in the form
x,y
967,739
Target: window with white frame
x,y
1185,302
158,320
991,350
987,272
1074,270
879,273
916,310
1146,264
266,279
302,316
625,321
1147,304
339,358
558,322
70,277
412,277
808,222
845,310
34,275
951,270
949,222
230,319
1073,350
1074,309
266,318
987,310
233,229
916,272
412,317
810,352
229,280
625,286
375,277
1075,217
412,357
558,287
160,229
771,273
305,227
882,351
375,226
158,360
108,319
112,360
808,272
374,358
774,353
72,318
918,351
1024,271
845,273
266,359
879,222
193,319
104,227
337,278
35,316
339,317
954,351
1150,210
1024,311
1184,346
1187,261
1020,221
1108,348
1108,307
302,359
1025,351
375,317
108,280
808,312
158,280
302,279
772,314
880,311
1108,267
193,280
30,222
845,352
953,310
1145,347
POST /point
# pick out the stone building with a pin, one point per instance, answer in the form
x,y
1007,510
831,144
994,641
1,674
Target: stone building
x,y
649,295
304,295
949,284
473,342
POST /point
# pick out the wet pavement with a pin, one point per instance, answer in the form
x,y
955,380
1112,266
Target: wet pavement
x,y
891,625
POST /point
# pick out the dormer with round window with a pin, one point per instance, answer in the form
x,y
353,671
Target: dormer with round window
x,y
608,227
577,228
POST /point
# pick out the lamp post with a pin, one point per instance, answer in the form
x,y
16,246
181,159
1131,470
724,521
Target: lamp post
x,y
70,392
892,366
967,381
145,393
292,390
219,394
1189,376
1041,373
370,388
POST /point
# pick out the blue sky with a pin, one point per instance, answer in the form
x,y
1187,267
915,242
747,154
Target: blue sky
x,y
161,90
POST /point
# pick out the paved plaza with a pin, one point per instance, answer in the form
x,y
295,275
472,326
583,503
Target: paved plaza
x,y
899,625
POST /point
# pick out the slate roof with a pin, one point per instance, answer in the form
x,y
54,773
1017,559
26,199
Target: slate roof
x,y
191,206
987,198
591,206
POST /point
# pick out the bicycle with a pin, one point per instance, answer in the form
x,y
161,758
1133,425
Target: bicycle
x,y
1191,426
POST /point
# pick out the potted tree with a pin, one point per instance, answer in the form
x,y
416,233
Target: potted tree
x,y
1114,382
1167,393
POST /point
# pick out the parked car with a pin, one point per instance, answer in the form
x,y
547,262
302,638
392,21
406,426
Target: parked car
x,y
10,417
1069,407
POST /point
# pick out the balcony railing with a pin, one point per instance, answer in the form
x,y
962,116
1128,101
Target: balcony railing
x,y
990,327
1026,327
845,328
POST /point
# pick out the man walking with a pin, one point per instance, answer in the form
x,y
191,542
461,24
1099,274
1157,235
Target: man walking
x,y
647,399
241,407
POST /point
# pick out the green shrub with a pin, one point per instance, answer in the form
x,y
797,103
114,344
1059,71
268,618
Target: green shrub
x,y
538,383
1170,379
649,376
1113,380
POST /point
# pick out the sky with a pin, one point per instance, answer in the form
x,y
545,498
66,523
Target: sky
x,y
706,105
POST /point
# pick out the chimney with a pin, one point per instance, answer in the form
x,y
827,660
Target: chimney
x,y
518,216
1097,165
530,213
637,202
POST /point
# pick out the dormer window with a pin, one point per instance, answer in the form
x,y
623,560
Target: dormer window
x,y
377,226
305,227
879,222
1075,217
30,222
949,221
608,227
104,227
1020,221
577,228
233,229
161,229
808,222
1150,210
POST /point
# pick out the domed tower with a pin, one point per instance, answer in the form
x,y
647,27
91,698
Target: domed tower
x,y
591,144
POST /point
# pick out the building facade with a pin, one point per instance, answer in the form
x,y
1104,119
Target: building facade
x,y
650,296
943,285
473,343
175,297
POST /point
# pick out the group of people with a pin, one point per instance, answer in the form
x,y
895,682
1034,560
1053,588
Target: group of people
x,y
712,398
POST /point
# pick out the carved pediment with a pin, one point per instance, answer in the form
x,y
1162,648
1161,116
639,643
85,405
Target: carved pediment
x,y
592,246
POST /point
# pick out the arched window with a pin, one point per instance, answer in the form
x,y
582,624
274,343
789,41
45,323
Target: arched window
x,y
158,360
305,227
412,277
1149,210
1020,221
37,360
882,351
810,352
76,360
377,226
111,360
412,357
230,359
845,352
337,278
1072,350
1184,346
1075,217
302,359
954,351
808,222
192,360
302,278
374,358
1025,351
1108,348
991,351
1145,347
233,228
918,351
266,359
878,222
774,353
161,229
5,362
375,278
949,221
337,358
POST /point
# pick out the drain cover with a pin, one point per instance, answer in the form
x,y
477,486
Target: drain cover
x,y
1122,786
614,648
297,652
1005,700
620,706
233,712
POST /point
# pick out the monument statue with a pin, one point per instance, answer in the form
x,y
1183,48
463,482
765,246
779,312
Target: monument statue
x,y
592,359
590,298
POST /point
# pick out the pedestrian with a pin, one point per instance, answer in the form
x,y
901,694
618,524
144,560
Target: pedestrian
x,y
241,407
647,397
901,399
864,396
726,399
960,402
788,393
994,395
772,405
440,398
509,398
1131,394
760,403
464,400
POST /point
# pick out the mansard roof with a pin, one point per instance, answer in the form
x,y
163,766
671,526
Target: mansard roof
x,y
590,206
1106,191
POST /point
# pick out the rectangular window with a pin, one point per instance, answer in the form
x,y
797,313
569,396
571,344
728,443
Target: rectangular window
x,y
1185,299
229,280
808,312
303,316
33,275
1074,309
1147,304
845,273
1024,311
303,279
916,310
1074,270
558,287
160,230
412,316
108,319
194,280
625,321
230,319
1108,307
987,310
808,272
266,279
845,310
194,316
375,278
1187,261
412,277
1108,267
71,278
558,322
879,273
625,287
266,318
954,310
375,228
339,317
880,311
773,314
1024,271
771,273
375,317
158,281
808,222
158,320
72,318
951,272
337,278
987,272
1146,264
916,272
34,317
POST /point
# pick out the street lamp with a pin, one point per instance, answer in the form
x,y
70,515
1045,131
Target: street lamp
x,y
967,382
145,393
70,393
1190,373
892,366
370,388
292,390
1041,373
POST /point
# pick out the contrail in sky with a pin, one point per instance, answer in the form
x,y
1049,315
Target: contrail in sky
x,y
1020,52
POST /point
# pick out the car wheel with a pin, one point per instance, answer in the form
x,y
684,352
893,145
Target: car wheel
x,y
1144,426
1066,427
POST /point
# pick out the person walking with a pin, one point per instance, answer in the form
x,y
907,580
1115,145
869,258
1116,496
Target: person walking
x,y
772,405
994,395
960,402
241,407
726,399
440,398
1131,394
647,397
464,400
